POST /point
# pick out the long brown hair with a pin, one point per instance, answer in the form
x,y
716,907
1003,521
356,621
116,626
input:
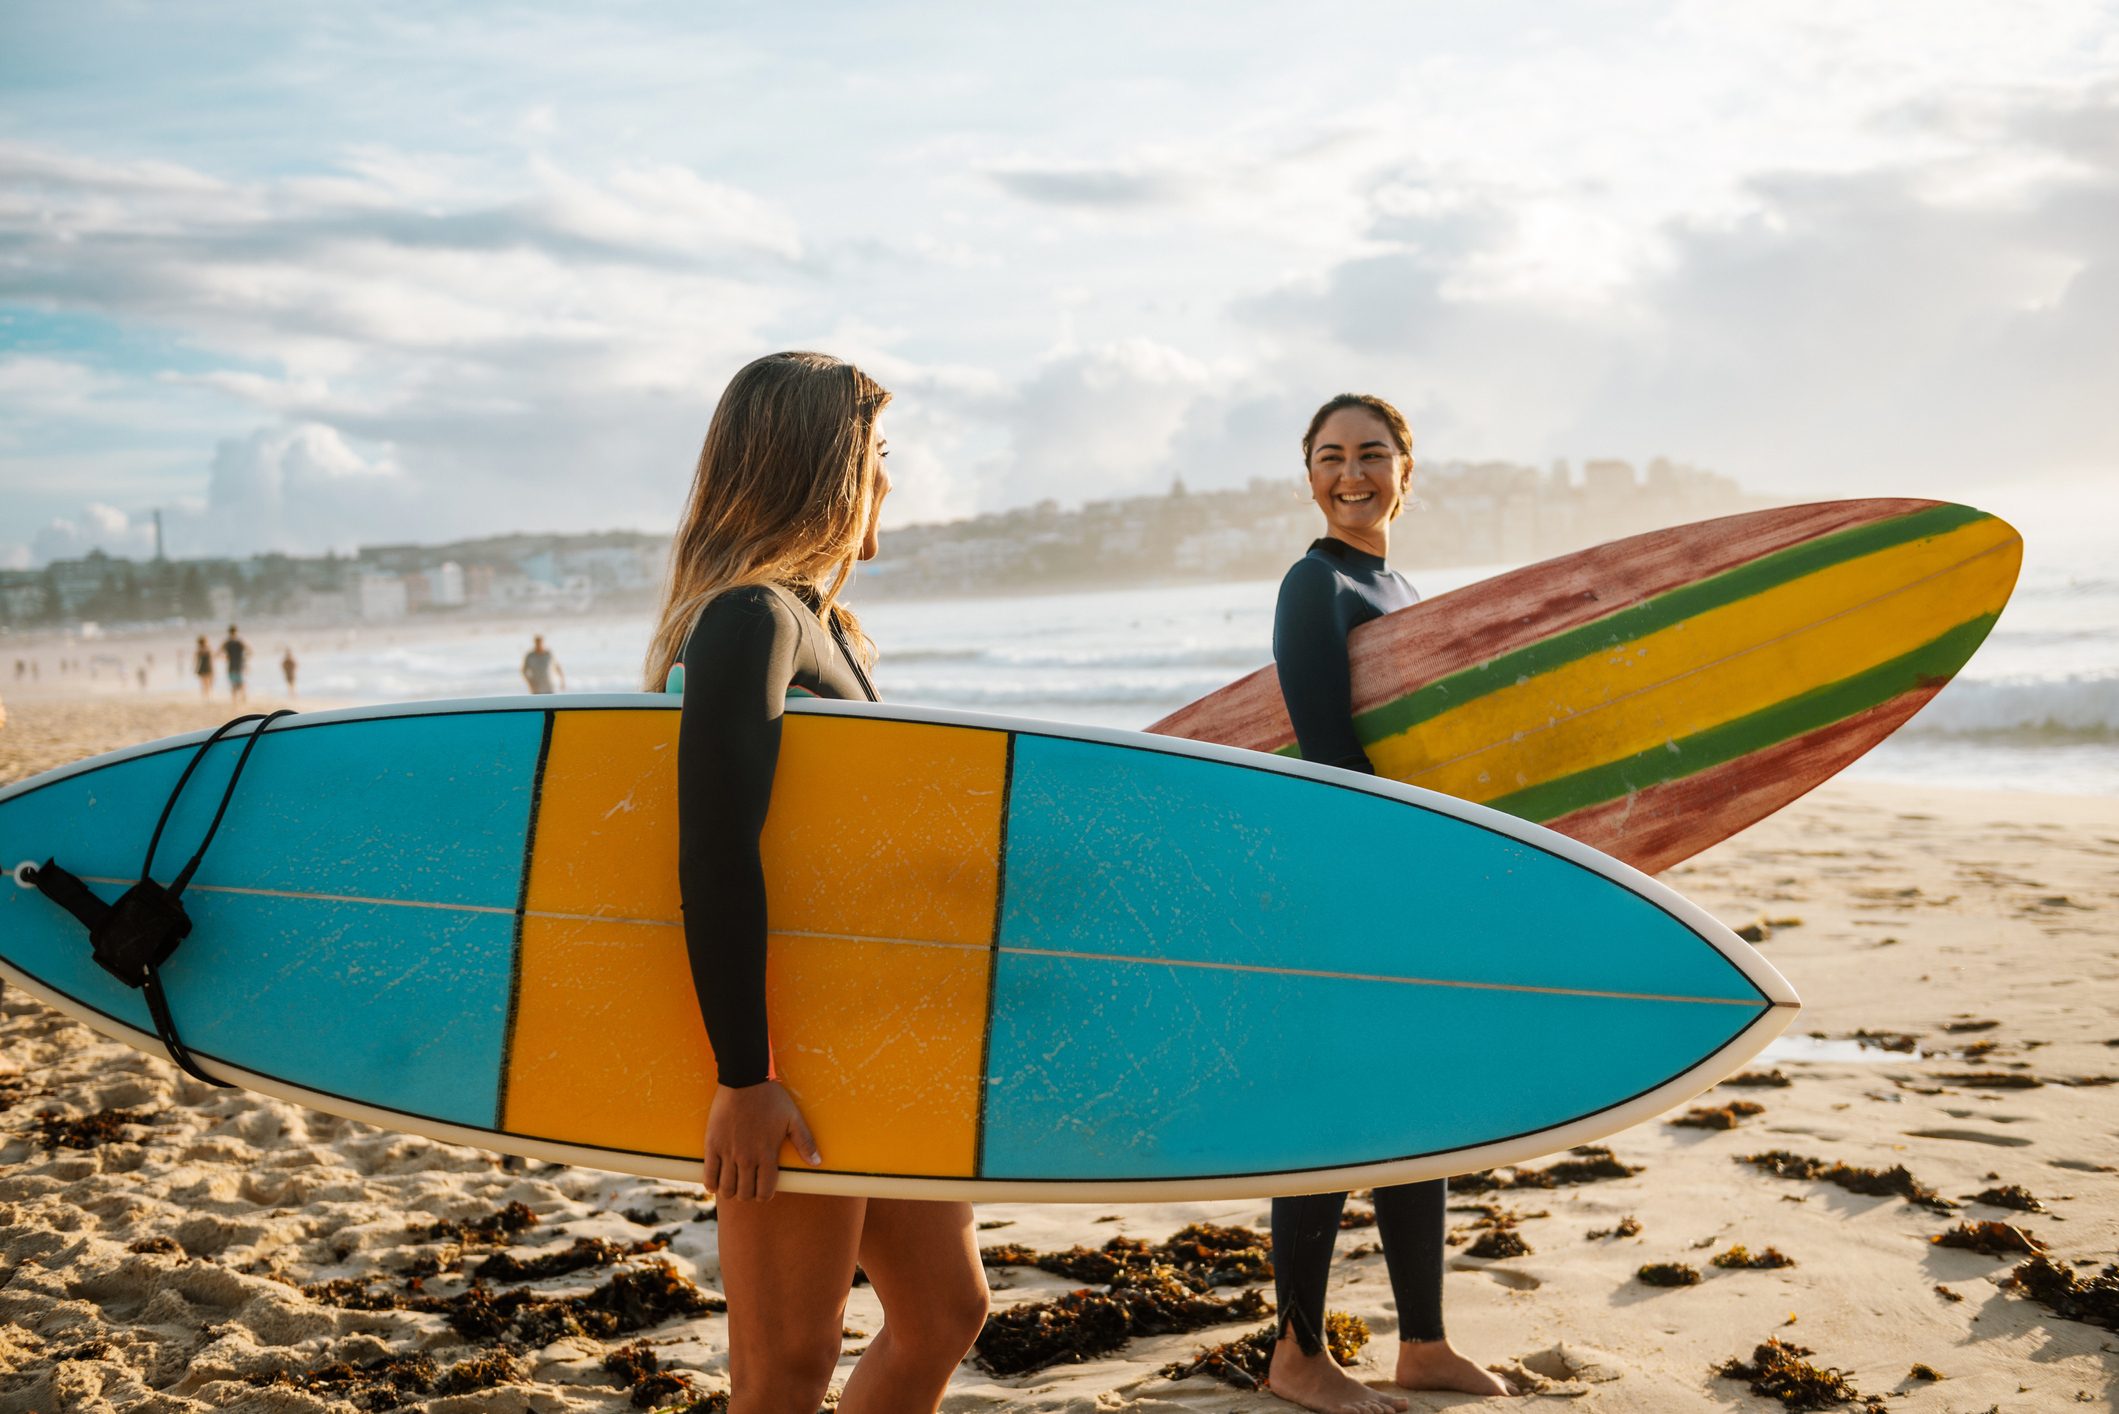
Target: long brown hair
x,y
781,495
1401,433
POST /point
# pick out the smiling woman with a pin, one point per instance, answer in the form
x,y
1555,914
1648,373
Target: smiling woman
x,y
1358,456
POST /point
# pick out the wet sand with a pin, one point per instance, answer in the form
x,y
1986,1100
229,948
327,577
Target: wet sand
x,y
165,1268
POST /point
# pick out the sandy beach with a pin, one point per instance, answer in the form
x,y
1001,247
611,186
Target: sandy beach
x,y
166,1246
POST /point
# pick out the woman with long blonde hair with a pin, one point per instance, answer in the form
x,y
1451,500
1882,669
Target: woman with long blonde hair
x,y
784,502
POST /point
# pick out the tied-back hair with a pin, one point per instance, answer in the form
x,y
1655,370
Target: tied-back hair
x,y
1401,433
781,495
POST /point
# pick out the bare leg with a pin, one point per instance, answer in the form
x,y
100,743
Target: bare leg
x,y
786,1266
923,1260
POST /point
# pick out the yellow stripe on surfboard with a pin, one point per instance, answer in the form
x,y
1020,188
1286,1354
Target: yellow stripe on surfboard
x,y
1763,649
607,1046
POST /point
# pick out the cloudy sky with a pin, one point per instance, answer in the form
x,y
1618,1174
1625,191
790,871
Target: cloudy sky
x,y
311,276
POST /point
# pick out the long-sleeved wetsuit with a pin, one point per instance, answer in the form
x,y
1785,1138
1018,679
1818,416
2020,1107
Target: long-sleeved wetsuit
x,y
749,647
1325,595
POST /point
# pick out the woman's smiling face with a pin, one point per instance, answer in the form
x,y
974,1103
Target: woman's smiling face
x,y
1357,474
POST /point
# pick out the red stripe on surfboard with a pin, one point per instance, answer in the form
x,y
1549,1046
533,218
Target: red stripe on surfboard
x,y
1655,828
1402,652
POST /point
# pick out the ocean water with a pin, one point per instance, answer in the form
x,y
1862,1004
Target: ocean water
x,y
2037,708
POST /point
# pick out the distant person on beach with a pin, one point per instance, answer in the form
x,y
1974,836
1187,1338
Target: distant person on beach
x,y
202,664
538,666
237,653
784,501
1358,460
287,668
141,674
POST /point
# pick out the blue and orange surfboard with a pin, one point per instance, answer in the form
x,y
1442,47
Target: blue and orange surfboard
x,y
1008,959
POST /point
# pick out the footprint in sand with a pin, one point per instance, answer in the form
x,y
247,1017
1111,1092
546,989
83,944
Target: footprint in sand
x,y
1507,1276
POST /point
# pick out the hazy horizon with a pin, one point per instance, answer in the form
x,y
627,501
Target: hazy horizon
x,y
308,278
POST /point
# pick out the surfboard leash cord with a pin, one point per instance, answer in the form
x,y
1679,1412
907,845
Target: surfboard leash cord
x,y
134,936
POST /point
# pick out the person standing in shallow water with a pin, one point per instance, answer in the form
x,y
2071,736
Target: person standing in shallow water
x,y
1358,458
538,666
785,500
237,653
202,666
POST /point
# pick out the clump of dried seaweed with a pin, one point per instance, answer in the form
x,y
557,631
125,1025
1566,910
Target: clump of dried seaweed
x,y
639,1369
1244,1363
1924,1372
1587,1163
1498,1243
1740,1257
1779,1372
1208,1254
388,1383
492,1230
1774,1079
1085,1324
1989,1239
1719,1116
2010,1195
1895,1181
166,1246
1629,1226
586,1252
2094,1302
56,1130
1990,1079
1970,1024
629,1301
1669,1274
1353,1218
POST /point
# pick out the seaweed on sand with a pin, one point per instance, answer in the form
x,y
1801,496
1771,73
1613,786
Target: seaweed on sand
x,y
1740,1257
1989,1239
1669,1274
1588,1163
388,1383
1499,1242
1244,1363
2095,1302
1895,1181
1719,1116
492,1230
1990,1079
1775,1079
2010,1195
1628,1226
629,1301
639,1369
1207,1254
1779,1372
1085,1324
586,1252
55,1130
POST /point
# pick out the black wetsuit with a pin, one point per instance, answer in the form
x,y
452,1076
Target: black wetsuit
x,y
1325,594
749,647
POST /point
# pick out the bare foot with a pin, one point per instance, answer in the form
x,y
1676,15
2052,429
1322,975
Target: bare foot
x,y
1433,1364
1318,1382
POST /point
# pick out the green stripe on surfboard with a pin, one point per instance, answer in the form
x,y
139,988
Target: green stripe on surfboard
x,y
1652,615
1934,661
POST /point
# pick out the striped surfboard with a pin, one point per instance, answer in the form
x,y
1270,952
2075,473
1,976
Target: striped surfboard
x,y
1008,959
1655,695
